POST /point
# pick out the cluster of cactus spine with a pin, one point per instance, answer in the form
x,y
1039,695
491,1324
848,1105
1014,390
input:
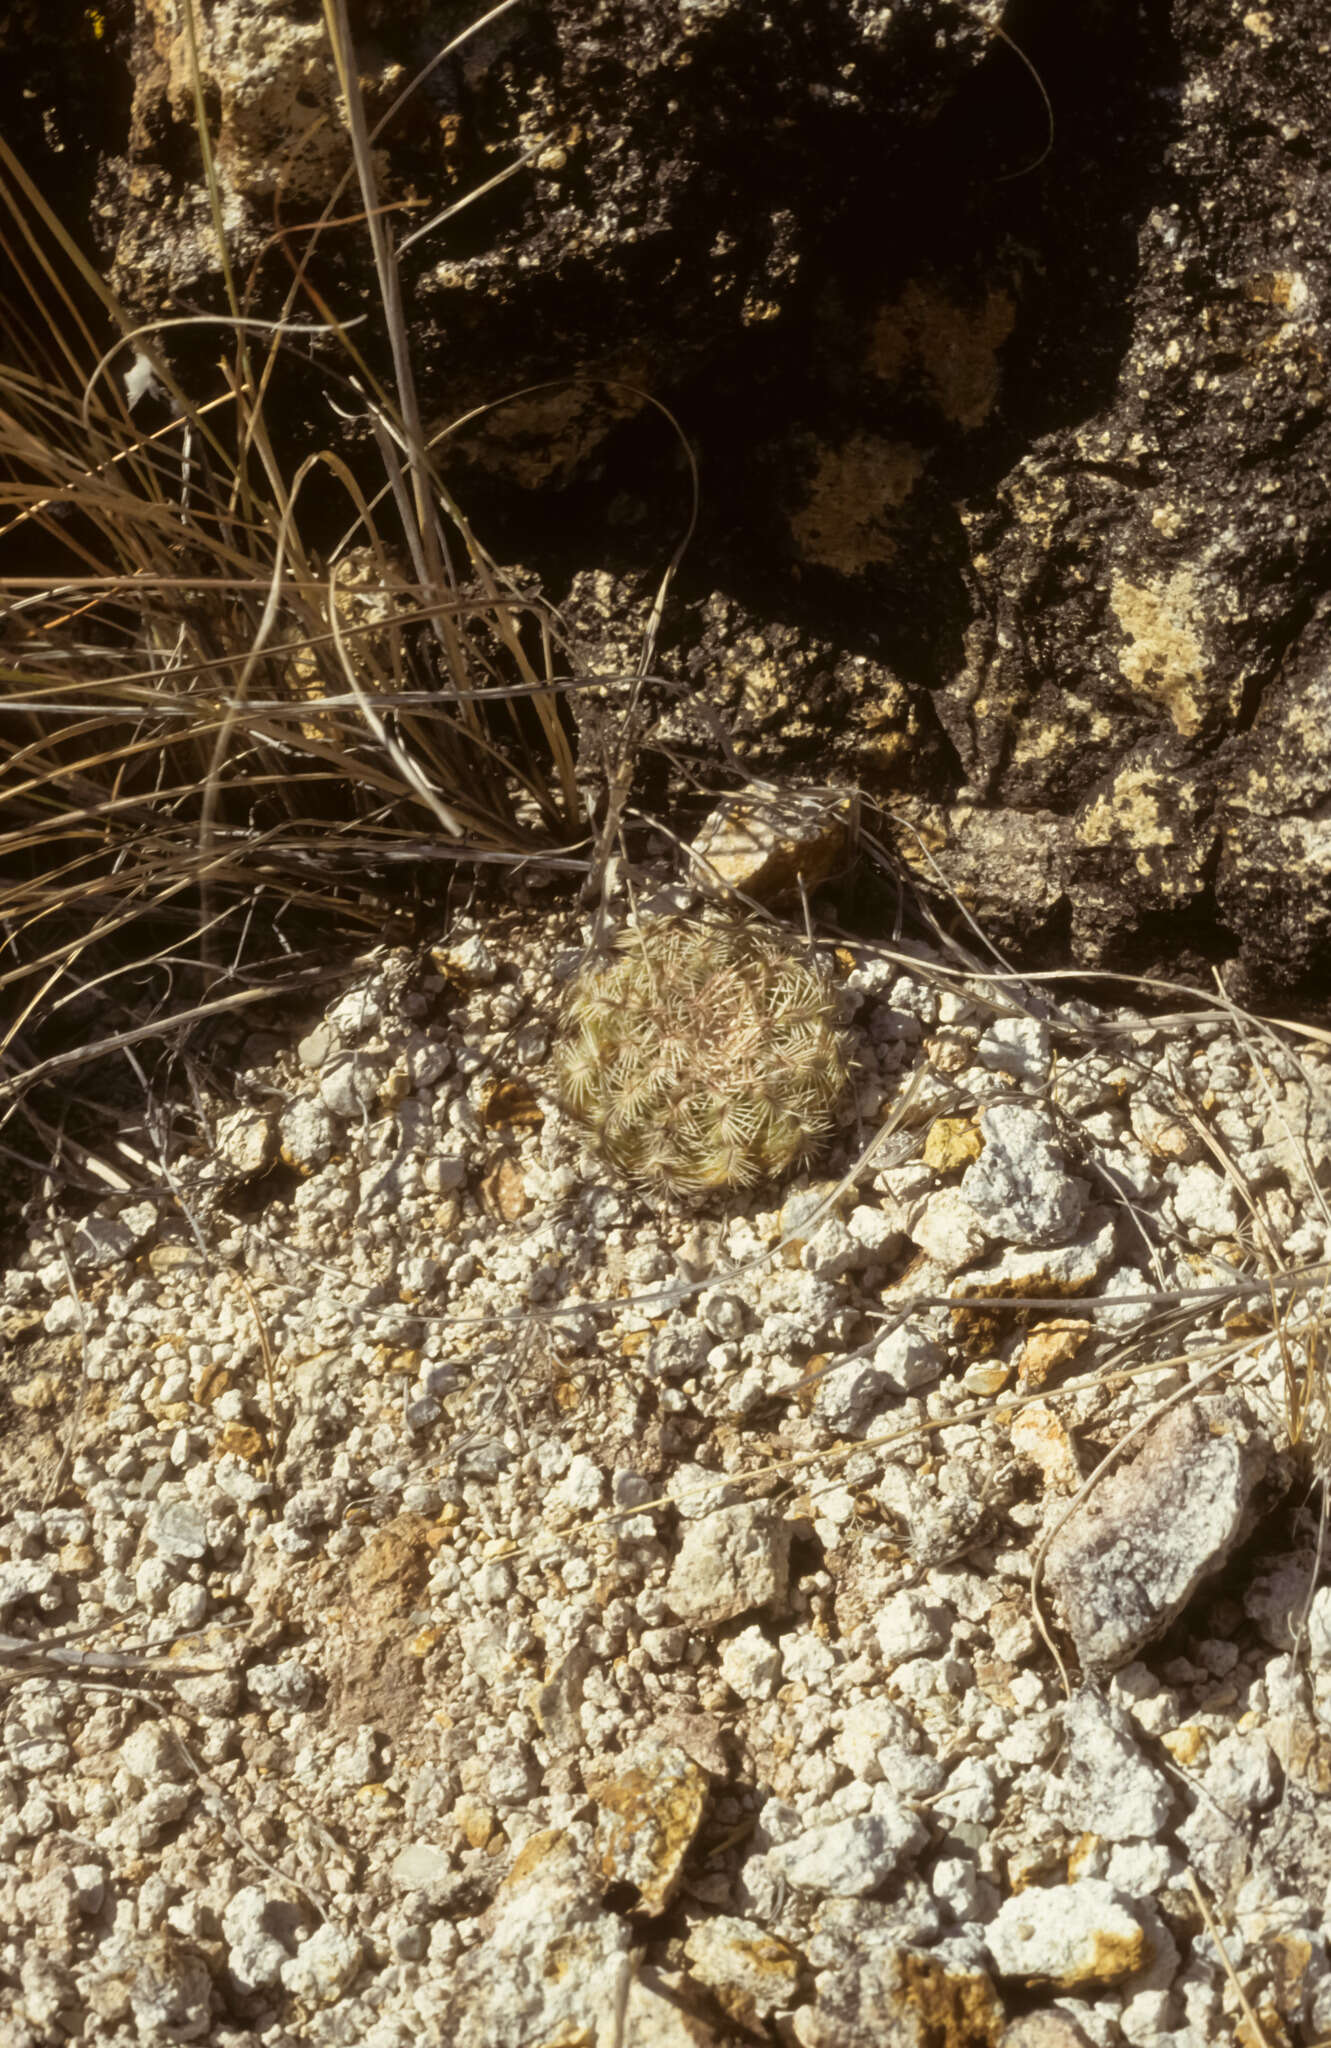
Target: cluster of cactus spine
x,y
702,1055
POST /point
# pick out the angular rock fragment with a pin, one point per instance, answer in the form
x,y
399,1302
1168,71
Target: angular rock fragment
x,y
247,1142
730,1562
953,1142
1021,1187
1061,1273
1106,1785
550,1964
851,1395
651,1809
106,1240
948,1230
1129,1559
1068,1935
846,1858
898,1996
1018,1046
750,1972
1048,2029
767,846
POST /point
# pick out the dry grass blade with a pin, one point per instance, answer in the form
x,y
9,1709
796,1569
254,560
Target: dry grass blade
x,y
220,736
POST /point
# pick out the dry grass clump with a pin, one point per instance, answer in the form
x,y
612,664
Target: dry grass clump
x,y
240,708
703,1056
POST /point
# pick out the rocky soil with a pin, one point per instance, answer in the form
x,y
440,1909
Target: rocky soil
x,y
448,1594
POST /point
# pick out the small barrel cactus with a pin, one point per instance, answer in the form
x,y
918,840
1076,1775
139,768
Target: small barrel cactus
x,y
702,1055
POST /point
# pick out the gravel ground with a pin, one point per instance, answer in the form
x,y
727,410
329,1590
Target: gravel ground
x,y
450,1595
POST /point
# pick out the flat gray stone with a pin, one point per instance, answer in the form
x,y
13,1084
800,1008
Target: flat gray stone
x,y
1131,1556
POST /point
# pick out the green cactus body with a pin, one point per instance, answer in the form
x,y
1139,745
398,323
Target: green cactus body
x,y
702,1055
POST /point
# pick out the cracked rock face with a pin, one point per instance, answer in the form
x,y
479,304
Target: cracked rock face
x,y
1013,444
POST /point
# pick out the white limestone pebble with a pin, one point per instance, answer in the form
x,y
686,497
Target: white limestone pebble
x,y
1018,1046
179,1530
550,1965
151,1755
324,1967
350,1083
729,1563
846,1858
751,1665
1068,1935
1319,1627
1106,1785
754,1973
308,1134
1205,1202
1021,1187
948,1229
255,1954
418,1866
170,1990
909,1624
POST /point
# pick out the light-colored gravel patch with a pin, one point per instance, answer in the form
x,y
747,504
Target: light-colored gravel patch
x,y
449,1594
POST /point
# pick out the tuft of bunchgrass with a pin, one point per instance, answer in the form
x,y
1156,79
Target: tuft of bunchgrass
x,y
242,724
702,1055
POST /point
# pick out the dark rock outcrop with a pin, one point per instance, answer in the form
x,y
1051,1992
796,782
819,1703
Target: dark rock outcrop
x,y
1014,444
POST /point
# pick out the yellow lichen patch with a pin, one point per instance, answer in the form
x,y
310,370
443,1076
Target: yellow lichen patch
x,y
954,2008
1185,1744
504,1192
1165,657
1040,738
1130,810
1049,1346
978,1333
1141,813
766,848
475,1819
275,85
548,1847
953,1142
538,441
750,1974
954,346
650,1812
212,1383
844,523
239,1440
42,1391
1286,290
368,593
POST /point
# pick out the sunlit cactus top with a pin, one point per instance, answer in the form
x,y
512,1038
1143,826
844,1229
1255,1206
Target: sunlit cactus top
x,y
702,1055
